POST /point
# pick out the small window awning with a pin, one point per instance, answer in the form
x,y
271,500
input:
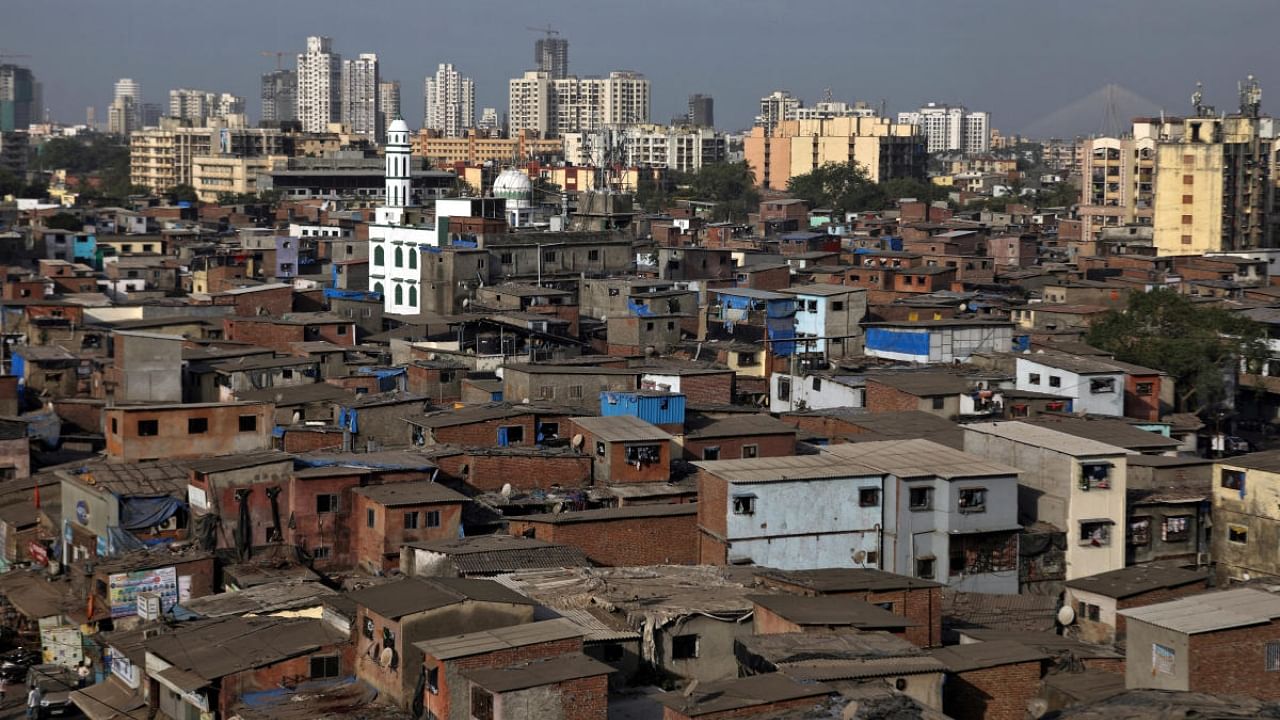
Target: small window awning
x,y
110,700
1107,463
181,680
1091,521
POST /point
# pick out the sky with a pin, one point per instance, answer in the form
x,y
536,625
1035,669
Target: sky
x,y
1020,60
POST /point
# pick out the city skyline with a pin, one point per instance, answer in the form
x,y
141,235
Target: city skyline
x,y
1021,78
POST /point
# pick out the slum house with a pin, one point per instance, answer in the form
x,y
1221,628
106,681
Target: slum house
x,y
151,432
990,679
285,598
754,696
1169,504
245,374
1074,484
298,404
851,662
399,513
626,449
664,409
633,535
829,319
940,341
210,667
747,436
567,384
1220,642
700,382
392,618
485,556
110,508
491,425
1097,599
776,614
376,421
521,467
537,667
1245,529
116,584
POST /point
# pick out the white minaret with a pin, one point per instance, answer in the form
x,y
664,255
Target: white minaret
x,y
399,182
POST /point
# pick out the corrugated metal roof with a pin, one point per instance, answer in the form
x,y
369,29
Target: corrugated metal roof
x,y
539,672
484,641
825,670
977,656
1210,612
617,428
792,467
1130,581
1028,434
918,458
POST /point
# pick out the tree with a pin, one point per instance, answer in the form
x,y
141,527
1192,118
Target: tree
x,y
731,186
64,221
1060,195
843,187
1193,342
182,193
899,188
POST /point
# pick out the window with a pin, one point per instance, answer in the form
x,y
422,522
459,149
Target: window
x,y
505,258
413,302
1095,476
599,449
1188,180
546,392
939,403
784,388
1055,381
711,453
324,666
684,647
1176,529
837,306
642,454
248,423
1034,378
924,567
973,500
379,255
1188,199
575,392
326,503
411,520
514,433
148,428
1020,411
1144,389
817,384
399,257
481,704
1273,656
746,359
1238,534
1088,611
549,256
433,680
287,374
593,255
612,653
1095,533
921,498
370,518
549,431
1231,479
1186,239
869,497
433,518
413,259
750,451
319,553
1099,386
1140,531
744,504
197,426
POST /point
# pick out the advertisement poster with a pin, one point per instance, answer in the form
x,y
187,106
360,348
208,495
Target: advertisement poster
x,y
123,589
62,645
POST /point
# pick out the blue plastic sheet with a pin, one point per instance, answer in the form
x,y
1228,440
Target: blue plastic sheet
x,y
138,513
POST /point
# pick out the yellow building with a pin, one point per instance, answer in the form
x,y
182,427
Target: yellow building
x,y
569,179
885,149
1246,516
1213,193
1118,186
477,149
212,175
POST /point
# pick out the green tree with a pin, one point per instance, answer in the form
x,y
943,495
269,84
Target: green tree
x,y
64,221
182,193
899,188
10,184
1060,195
731,186
1192,342
843,187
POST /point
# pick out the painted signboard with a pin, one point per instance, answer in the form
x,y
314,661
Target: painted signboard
x,y
123,589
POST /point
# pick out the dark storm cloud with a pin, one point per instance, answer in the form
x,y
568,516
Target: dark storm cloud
x,y
1019,59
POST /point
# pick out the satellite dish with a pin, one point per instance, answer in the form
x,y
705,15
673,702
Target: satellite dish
x,y
507,490
1066,615
466,302
385,657
859,556
1037,707
577,441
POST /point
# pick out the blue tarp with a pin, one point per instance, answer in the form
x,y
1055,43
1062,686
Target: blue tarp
x,y
909,342
44,426
638,309
347,419
120,541
138,513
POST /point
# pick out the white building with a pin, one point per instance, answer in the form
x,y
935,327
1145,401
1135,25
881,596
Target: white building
x,y
397,247
198,105
938,341
319,85
774,108
360,96
449,102
555,107
488,119
829,109
1095,386
389,101
951,128
788,393
124,115
680,148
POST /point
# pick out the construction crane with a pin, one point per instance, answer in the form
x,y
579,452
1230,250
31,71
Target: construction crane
x,y
548,30
279,57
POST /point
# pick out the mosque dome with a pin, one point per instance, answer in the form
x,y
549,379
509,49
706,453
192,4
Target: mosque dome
x,y
515,187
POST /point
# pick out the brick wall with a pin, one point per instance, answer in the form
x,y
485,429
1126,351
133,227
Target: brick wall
x,y
767,622
883,398
671,540
585,698
484,434
713,504
998,693
302,441
453,688
764,708
731,447
922,606
707,389
273,677
1153,598
1234,662
428,381
527,472
263,334
377,548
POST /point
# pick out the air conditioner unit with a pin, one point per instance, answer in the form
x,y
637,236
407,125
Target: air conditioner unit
x,y
170,523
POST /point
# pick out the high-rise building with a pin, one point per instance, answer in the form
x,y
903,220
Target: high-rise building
x,y
701,110
449,102
280,96
389,101
951,128
555,107
885,149
1118,180
682,148
489,120
162,157
198,105
360,96
551,55
125,112
774,108
828,109
19,106
319,85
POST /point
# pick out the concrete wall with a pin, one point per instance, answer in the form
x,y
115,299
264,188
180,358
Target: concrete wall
x,y
1139,671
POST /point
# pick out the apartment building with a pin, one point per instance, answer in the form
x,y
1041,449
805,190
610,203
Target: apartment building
x,y
885,149
554,107
951,128
449,102
681,148
279,96
319,89
1119,180
160,158
360,94
476,148
199,105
